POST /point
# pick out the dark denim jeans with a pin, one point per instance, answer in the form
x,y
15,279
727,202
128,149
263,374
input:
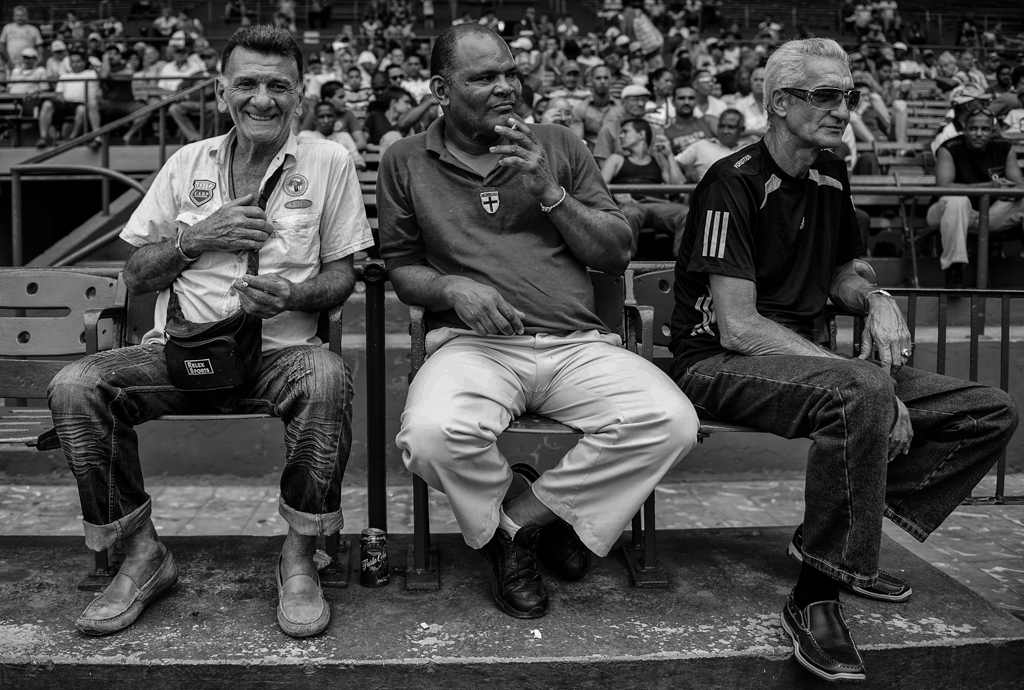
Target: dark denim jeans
x,y
847,408
97,401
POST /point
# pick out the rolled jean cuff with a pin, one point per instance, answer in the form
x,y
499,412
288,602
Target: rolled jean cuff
x,y
311,524
839,574
102,537
906,525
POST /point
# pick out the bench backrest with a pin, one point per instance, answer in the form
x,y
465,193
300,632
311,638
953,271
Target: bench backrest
x,y
42,316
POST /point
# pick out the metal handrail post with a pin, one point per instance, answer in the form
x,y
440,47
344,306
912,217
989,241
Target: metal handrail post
x,y
16,219
376,399
105,163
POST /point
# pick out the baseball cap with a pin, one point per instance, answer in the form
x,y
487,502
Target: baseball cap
x,y
622,40
571,66
521,43
635,90
95,37
927,51
30,53
899,45
58,45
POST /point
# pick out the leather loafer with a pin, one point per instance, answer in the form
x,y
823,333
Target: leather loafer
x,y
888,587
821,640
559,548
123,600
516,586
302,610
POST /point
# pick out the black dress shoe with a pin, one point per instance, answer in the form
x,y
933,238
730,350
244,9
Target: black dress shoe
x,y
888,587
516,586
559,548
821,640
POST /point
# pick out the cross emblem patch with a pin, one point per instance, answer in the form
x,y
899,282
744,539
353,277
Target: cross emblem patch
x,y
490,201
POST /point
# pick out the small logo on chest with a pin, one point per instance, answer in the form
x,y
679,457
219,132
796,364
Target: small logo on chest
x,y
202,191
295,185
490,201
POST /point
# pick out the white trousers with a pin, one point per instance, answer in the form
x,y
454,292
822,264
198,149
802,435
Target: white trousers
x,y
954,216
636,426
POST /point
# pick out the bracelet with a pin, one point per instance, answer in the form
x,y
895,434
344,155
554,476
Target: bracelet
x,y
181,252
876,291
552,207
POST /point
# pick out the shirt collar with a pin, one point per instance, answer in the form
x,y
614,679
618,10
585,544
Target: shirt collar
x,y
285,157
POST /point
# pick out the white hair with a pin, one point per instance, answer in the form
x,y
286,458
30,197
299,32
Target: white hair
x,y
787,66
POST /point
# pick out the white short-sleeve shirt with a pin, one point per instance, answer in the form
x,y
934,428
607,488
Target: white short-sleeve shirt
x,y
316,209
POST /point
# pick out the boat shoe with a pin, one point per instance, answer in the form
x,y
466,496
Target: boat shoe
x,y
123,600
302,610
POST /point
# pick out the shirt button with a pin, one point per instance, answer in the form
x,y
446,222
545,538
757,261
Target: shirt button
x,y
241,259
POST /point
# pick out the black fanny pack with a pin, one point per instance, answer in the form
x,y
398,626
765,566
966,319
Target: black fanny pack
x,y
217,355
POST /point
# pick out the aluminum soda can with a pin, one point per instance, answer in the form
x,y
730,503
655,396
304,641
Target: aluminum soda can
x,y
373,558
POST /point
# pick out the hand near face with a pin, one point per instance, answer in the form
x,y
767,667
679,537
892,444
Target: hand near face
x,y
525,154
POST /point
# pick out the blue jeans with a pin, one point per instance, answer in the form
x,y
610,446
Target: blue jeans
x,y
847,408
97,402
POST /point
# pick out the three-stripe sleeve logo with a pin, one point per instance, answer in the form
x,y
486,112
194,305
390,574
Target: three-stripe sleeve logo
x,y
716,228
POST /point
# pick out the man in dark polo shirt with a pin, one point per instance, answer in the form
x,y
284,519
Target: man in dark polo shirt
x,y
491,225
770,237
973,159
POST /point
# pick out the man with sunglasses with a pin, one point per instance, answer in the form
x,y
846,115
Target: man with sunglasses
x,y
975,158
771,236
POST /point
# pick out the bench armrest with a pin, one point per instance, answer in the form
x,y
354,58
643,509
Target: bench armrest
x,y
92,318
418,333
640,330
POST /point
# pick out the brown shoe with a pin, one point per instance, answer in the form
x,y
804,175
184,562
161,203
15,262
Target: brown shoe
x,y
302,610
123,600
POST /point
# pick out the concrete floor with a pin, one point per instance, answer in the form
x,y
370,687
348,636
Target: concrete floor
x,y
980,546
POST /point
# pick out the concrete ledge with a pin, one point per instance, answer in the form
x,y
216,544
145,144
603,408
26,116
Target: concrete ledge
x,y
716,626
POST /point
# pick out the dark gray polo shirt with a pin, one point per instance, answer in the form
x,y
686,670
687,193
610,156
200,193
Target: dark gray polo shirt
x,y
435,211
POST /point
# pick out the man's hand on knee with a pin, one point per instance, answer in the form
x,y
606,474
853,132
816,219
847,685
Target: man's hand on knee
x,y
885,331
902,432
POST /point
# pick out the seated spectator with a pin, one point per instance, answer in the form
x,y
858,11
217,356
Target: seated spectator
x,y
634,102
1013,122
514,331
357,97
183,111
708,106
702,154
398,119
117,98
413,80
560,112
687,128
965,100
29,80
661,110
326,119
173,72
765,249
347,121
949,75
870,119
570,88
619,78
643,161
167,23
1004,91
112,27
74,91
751,106
197,259
968,64
55,63
974,158
593,111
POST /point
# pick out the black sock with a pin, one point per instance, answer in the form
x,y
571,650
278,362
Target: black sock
x,y
813,586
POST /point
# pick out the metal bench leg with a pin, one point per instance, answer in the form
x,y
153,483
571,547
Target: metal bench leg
x,y
641,551
106,566
335,573
422,571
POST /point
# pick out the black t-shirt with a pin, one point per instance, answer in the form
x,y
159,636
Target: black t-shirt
x,y
376,126
973,166
748,219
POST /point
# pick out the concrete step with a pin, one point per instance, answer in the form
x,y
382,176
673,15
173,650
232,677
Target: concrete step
x,y
716,626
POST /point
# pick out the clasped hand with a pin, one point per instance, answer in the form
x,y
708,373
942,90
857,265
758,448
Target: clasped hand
x,y
483,309
236,226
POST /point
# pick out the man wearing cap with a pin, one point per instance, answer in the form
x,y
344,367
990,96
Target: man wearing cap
x,y
770,238
28,79
974,158
964,99
56,64
17,36
511,311
634,105
570,88
172,73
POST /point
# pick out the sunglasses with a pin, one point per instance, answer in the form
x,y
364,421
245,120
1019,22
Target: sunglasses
x,y
827,98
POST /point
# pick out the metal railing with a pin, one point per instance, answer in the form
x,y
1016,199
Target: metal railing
x,y
33,166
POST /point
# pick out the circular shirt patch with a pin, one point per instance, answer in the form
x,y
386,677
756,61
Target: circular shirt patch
x,y
295,185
